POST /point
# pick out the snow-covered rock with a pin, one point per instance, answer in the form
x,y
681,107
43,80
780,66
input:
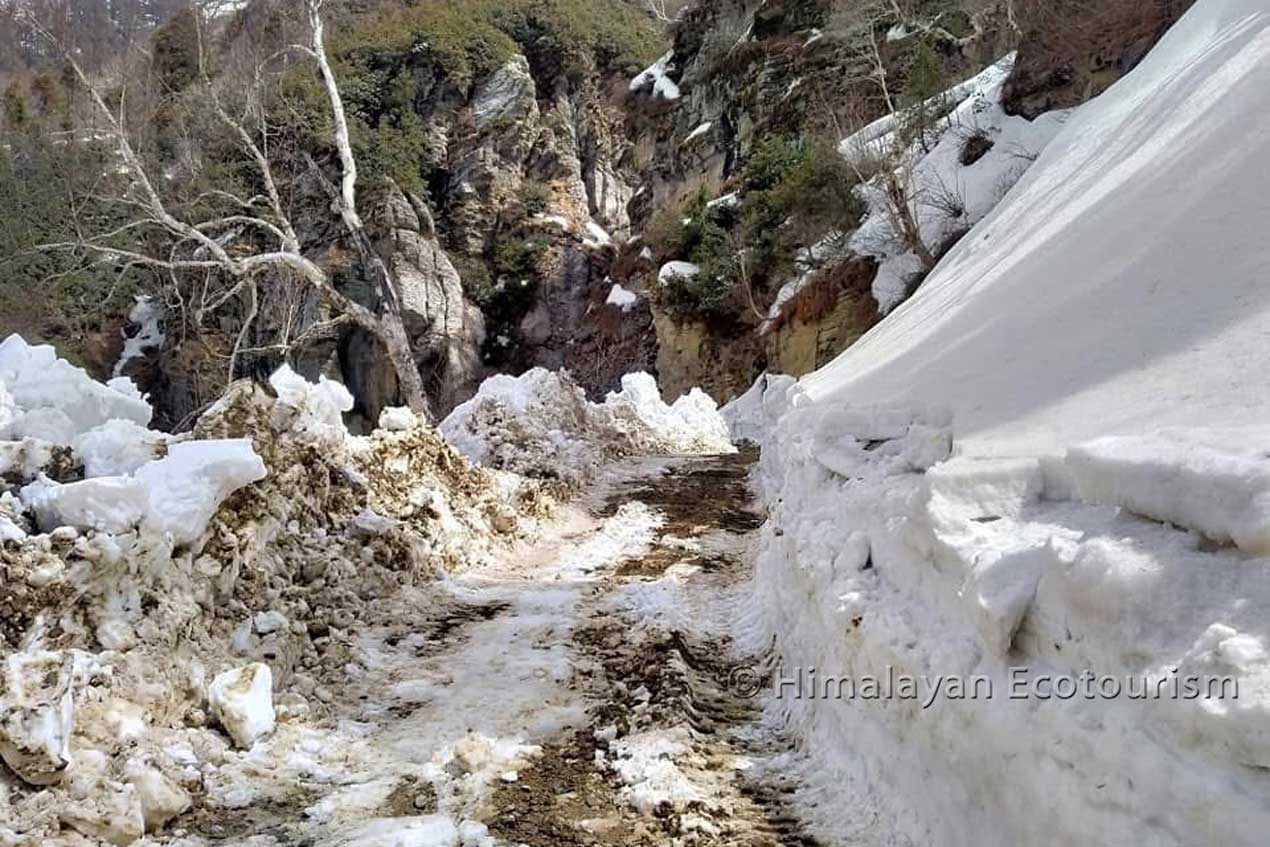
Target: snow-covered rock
x,y
656,78
241,701
677,272
622,298
148,337
948,196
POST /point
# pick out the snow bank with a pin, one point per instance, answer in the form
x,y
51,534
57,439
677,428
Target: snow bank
x,y
1175,476
540,424
1064,564
973,572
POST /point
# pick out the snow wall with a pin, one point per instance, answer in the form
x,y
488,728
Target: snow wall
x,y
1053,458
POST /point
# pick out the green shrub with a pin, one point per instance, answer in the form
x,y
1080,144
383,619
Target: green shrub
x,y
794,191
536,197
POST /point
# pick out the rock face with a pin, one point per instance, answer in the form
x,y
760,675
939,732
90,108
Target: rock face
x,y
1073,51
446,331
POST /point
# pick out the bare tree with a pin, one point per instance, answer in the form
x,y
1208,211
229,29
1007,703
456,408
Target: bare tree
x,y
257,242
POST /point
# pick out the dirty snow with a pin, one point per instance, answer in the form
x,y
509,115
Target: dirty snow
x,y
541,424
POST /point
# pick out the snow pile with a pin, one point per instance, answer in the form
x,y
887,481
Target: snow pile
x,y
689,426
1064,622
52,400
946,197
541,425
158,589
656,78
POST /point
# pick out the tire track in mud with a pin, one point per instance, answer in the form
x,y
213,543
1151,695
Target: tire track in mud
x,y
645,681
643,677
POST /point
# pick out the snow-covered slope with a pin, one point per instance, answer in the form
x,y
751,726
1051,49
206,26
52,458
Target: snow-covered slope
x,y
1122,284
1096,352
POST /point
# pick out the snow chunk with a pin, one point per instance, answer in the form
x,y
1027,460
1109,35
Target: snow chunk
x,y
117,448
186,487
318,408
663,86
111,504
397,419
50,398
1176,476
622,298
241,700
36,715
677,271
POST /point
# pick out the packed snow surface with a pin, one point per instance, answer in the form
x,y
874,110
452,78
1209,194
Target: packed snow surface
x,y
1120,287
1096,347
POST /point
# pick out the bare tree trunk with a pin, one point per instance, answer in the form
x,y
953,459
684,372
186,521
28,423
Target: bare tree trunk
x,y
393,331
